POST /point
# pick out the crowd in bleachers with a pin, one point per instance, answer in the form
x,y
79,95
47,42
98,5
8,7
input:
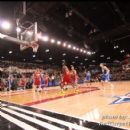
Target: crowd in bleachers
x,y
118,72
122,72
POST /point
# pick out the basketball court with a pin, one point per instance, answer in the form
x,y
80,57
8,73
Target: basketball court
x,y
95,106
99,104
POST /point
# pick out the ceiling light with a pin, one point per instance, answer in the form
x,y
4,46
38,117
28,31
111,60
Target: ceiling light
x,y
10,52
2,57
69,46
115,47
108,58
81,63
63,60
6,25
81,50
66,15
93,53
93,61
101,55
76,57
52,40
58,42
47,50
77,49
85,59
50,58
45,38
64,44
89,53
64,54
70,12
122,51
74,47
84,51
34,56
73,62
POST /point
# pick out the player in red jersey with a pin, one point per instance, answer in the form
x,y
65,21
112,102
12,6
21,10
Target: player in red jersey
x,y
37,80
23,82
66,78
74,78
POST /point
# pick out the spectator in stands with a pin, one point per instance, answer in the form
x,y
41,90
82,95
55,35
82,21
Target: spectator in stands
x,y
29,82
15,83
10,82
1,85
23,82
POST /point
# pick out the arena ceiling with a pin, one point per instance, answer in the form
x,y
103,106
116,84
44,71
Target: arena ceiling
x,y
96,26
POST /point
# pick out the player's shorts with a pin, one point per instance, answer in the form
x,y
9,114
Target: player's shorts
x,y
46,82
106,77
37,82
87,78
66,79
42,82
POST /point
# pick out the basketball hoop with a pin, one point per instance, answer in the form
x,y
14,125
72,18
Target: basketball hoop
x,y
34,46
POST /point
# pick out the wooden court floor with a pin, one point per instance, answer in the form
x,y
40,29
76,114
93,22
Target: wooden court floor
x,y
108,104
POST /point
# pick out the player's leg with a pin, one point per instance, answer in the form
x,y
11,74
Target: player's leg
x,y
76,85
62,84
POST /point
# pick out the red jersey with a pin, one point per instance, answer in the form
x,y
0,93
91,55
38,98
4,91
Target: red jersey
x,y
46,79
22,82
37,78
66,75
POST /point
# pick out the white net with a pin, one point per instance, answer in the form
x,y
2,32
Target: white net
x,y
30,35
34,46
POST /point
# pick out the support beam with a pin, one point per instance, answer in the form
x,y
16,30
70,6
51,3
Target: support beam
x,y
118,39
14,40
62,26
118,11
24,8
57,22
80,15
46,7
111,34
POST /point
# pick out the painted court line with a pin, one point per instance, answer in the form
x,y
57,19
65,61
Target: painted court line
x,y
17,122
15,93
59,97
31,119
70,125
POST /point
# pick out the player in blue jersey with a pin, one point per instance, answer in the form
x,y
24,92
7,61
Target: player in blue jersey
x,y
106,73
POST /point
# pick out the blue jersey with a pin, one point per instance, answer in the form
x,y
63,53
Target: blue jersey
x,y
42,81
106,76
88,76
